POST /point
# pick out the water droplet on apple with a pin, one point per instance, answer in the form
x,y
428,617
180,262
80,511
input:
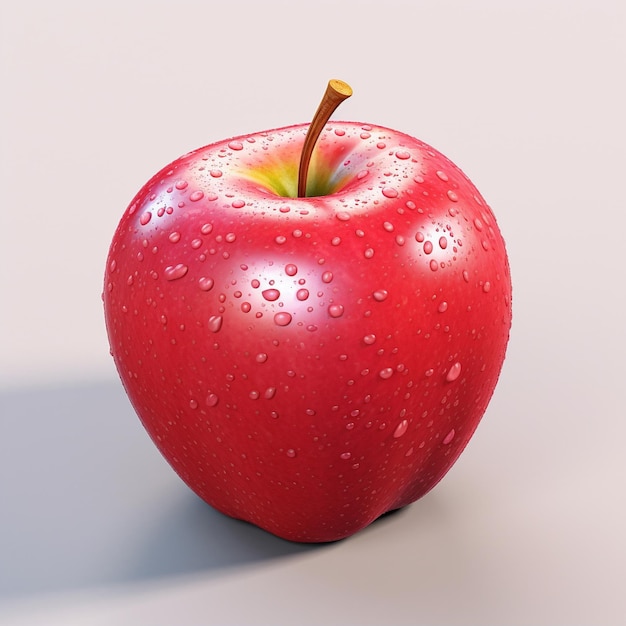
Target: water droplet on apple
x,y
280,239
434,266
216,173
386,373
443,243
215,323
419,236
466,277
291,453
145,218
443,307
388,226
403,155
369,339
335,310
269,393
428,247
302,294
205,283
390,192
478,224
261,357
271,294
246,307
211,400
282,319
181,184
174,237
345,456
238,204
174,272
342,216
487,287
449,437
380,295
206,229
196,195
442,175
452,195
369,253
401,428
291,269
327,277
193,404
235,145
454,372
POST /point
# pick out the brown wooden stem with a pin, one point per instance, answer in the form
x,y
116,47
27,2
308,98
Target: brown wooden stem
x,y
336,92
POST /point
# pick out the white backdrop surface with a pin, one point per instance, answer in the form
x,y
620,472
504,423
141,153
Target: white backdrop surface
x,y
527,98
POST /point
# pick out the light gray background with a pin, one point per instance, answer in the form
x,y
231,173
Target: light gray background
x,y
528,98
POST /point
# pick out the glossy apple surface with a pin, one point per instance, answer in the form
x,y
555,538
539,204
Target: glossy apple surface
x,y
308,364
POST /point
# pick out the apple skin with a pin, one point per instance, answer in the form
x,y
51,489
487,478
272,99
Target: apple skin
x,y
308,364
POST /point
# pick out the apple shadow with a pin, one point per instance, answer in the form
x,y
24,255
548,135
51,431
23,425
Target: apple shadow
x,y
87,501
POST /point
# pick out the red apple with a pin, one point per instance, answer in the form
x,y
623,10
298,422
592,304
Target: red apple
x,y
308,364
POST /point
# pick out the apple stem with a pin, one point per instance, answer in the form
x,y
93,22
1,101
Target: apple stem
x,y
336,92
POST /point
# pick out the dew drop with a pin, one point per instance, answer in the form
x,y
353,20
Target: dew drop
x,y
206,229
386,373
443,307
433,265
261,357
443,243
302,294
145,218
181,184
401,428
478,224
452,195
291,453
215,323
466,277
369,339
428,247
205,283
335,310
193,404
454,372
487,287
216,173
343,216
390,192
403,155
246,307
419,236
211,400
269,393
388,226
449,437
282,319
369,253
174,237
327,277
280,239
380,295
271,294
174,272
442,175
196,195
291,269
235,145
238,204
345,456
